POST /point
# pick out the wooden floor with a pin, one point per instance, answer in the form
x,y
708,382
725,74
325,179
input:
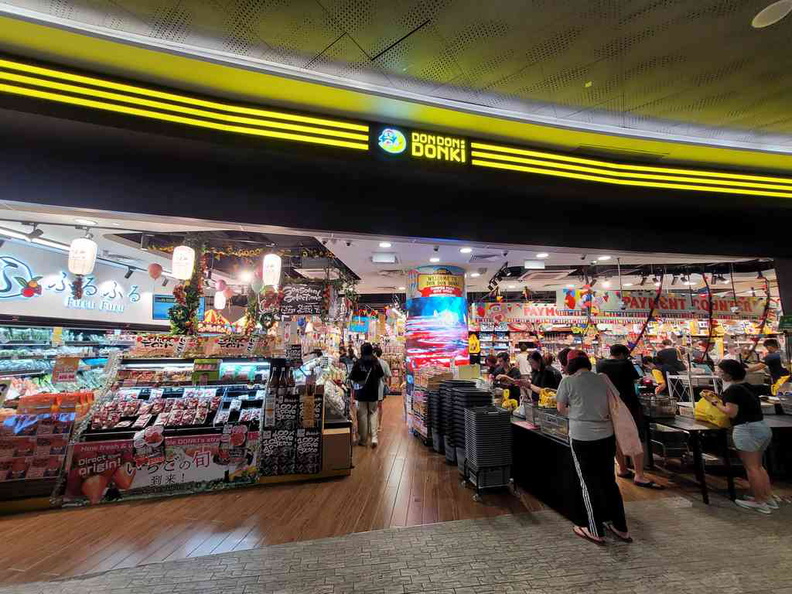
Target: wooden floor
x,y
401,483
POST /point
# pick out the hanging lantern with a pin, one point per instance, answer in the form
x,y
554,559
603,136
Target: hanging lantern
x,y
271,270
219,300
155,270
82,256
183,262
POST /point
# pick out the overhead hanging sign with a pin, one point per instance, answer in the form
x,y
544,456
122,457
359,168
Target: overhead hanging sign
x,y
640,302
302,299
418,144
35,282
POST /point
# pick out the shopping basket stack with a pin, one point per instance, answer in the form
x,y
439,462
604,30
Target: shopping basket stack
x,y
446,402
433,417
464,398
488,451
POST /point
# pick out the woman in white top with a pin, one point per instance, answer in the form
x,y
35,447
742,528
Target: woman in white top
x,y
583,397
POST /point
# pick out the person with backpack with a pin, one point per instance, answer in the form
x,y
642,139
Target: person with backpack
x,y
365,377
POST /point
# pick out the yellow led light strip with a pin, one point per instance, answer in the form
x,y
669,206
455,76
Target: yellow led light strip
x,y
179,109
623,182
690,178
68,99
624,167
101,83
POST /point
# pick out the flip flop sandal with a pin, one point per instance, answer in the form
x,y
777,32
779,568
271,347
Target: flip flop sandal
x,y
650,485
579,532
610,529
627,475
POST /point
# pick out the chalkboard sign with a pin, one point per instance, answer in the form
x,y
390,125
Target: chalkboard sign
x,y
302,300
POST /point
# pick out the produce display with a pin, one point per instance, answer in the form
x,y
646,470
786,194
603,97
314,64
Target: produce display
x,y
547,398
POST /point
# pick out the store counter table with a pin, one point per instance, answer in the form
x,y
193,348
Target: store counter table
x,y
543,466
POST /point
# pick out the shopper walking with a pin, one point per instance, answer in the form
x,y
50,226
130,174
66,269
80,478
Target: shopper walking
x,y
383,387
583,397
751,434
623,375
365,377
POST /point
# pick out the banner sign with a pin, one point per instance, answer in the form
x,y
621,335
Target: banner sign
x,y
302,300
640,302
35,282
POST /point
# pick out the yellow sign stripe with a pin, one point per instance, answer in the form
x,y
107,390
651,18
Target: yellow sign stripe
x,y
638,176
623,167
623,182
178,119
11,65
28,80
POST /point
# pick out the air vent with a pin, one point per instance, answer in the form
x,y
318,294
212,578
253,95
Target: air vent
x,y
384,258
485,258
390,273
539,276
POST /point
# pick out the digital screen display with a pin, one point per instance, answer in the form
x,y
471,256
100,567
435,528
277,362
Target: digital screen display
x,y
161,304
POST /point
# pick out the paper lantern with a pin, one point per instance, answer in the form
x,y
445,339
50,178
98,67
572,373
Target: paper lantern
x,y
155,270
220,285
183,262
219,300
82,256
229,292
271,270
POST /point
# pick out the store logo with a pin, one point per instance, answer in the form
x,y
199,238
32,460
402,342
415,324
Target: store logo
x,y
438,147
17,279
392,141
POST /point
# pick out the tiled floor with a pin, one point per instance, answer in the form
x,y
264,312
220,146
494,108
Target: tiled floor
x,y
681,547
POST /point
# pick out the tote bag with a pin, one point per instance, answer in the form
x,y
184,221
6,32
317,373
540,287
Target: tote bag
x,y
623,423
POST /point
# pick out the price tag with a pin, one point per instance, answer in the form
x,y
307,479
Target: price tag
x,y
65,369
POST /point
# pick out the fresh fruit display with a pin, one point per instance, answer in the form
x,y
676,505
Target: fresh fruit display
x,y
547,398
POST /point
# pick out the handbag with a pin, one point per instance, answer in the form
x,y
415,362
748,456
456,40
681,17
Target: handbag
x,y
356,386
623,423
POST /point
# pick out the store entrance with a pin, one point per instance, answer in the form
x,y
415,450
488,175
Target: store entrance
x,y
148,357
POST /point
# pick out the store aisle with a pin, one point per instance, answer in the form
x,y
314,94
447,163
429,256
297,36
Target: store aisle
x,y
535,553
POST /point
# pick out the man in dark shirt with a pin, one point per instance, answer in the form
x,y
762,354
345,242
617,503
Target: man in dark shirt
x,y
772,361
623,375
506,368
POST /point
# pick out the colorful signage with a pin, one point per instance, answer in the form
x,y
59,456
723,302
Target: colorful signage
x,y
640,302
419,144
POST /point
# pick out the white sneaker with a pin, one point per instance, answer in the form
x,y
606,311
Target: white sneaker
x,y
762,508
772,504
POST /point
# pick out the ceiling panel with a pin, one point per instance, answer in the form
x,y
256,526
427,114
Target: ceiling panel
x,y
656,65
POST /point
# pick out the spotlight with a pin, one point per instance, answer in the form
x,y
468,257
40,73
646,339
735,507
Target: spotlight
x,y
643,281
674,280
505,253
436,248
129,273
145,242
35,233
349,243
760,276
165,282
324,241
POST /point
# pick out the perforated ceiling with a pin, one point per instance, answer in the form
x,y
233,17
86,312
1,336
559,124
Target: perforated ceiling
x,y
695,68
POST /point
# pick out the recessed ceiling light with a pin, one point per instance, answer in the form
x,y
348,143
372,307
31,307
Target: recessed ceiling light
x,y
606,284
542,255
771,14
465,250
657,283
116,224
512,286
628,284
385,244
88,222
603,258
688,283
434,259
570,286
402,288
475,274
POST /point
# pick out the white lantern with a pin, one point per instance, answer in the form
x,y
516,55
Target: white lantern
x,y
183,262
271,270
219,300
82,256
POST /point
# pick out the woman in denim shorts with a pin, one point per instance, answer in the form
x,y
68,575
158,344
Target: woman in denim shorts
x,y
751,434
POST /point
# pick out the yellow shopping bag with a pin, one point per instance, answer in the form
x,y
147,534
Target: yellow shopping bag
x,y
776,386
705,411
